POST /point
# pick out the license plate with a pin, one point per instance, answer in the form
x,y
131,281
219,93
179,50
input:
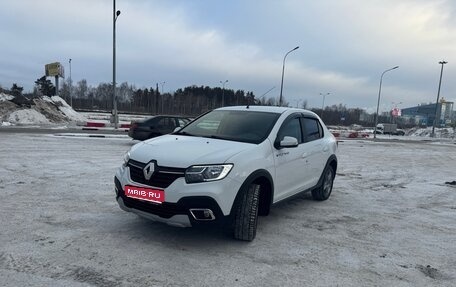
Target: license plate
x,y
148,194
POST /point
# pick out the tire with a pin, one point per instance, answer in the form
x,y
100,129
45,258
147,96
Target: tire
x,y
324,191
246,213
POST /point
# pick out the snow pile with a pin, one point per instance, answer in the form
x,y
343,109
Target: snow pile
x,y
27,117
39,111
4,97
66,109
426,132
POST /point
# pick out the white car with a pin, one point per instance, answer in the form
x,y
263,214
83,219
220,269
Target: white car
x,y
227,167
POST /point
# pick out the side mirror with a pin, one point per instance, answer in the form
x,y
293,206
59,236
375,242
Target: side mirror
x,y
288,142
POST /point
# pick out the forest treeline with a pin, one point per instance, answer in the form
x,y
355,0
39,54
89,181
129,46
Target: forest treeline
x,y
189,101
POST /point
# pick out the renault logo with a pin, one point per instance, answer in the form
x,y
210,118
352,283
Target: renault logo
x,y
149,170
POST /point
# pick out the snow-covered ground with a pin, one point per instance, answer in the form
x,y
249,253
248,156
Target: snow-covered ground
x,y
391,221
416,133
105,117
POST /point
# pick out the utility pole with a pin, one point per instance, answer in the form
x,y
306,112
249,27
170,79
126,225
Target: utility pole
x,y
71,84
223,91
437,101
323,105
162,95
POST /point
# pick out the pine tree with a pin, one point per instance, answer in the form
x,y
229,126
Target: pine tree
x,y
45,86
16,90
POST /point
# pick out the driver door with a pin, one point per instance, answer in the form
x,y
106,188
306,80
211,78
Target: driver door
x,y
290,162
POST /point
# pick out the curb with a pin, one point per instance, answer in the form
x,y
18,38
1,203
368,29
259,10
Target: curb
x,y
90,135
104,125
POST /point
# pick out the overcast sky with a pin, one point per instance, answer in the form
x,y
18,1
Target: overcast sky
x,y
344,46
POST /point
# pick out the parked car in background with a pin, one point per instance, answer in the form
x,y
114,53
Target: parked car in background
x,y
156,126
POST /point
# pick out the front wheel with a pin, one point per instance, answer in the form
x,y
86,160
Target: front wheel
x,y
324,191
246,213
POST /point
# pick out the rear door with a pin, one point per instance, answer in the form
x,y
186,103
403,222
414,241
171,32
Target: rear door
x,y
315,153
166,125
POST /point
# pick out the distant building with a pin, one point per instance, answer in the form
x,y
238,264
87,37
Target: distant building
x,y
424,114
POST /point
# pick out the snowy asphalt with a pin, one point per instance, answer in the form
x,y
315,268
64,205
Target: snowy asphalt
x,y
391,221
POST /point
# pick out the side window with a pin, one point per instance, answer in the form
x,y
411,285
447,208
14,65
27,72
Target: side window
x,y
166,123
291,128
161,123
182,122
152,122
312,129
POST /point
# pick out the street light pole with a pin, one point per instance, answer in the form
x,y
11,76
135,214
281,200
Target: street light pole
x,y
223,91
115,14
71,83
378,101
323,105
437,101
283,71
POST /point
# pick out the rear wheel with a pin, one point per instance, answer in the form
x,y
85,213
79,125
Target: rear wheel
x,y
324,191
246,213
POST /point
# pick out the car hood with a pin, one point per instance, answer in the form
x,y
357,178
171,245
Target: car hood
x,y
184,151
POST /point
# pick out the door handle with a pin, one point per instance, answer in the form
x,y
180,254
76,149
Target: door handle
x,y
304,155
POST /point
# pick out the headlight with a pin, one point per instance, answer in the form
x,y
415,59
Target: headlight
x,y
202,173
126,159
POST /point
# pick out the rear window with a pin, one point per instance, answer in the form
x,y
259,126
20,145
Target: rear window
x,y
313,129
183,121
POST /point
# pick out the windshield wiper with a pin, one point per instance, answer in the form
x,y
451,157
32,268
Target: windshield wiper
x,y
215,137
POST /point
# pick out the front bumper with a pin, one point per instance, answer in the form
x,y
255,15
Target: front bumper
x,y
179,220
182,201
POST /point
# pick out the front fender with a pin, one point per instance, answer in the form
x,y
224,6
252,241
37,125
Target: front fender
x,y
264,179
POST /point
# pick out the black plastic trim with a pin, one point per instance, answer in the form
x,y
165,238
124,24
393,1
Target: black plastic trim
x,y
169,209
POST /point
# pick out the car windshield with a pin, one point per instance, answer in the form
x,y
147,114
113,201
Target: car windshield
x,y
243,126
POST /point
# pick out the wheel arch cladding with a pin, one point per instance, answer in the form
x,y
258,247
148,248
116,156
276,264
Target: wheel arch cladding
x,y
332,161
263,178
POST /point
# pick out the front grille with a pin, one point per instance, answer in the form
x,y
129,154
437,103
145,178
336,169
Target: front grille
x,y
162,177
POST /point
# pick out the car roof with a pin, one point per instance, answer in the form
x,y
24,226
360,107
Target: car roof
x,y
166,116
169,116
270,109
